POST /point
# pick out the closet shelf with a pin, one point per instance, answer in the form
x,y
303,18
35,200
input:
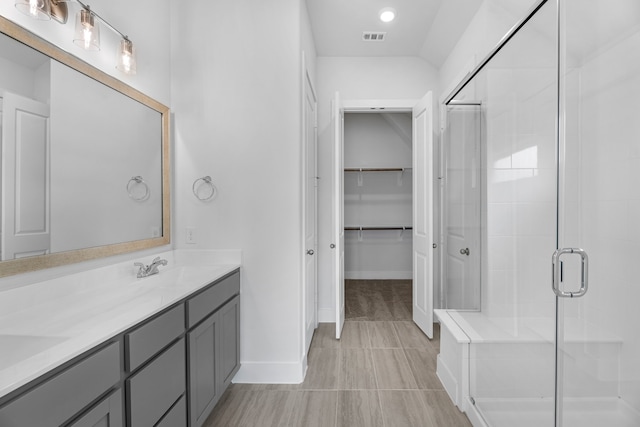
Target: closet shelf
x,y
383,227
376,169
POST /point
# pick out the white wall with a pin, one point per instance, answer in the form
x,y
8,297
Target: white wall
x,y
355,78
236,98
16,78
492,21
378,198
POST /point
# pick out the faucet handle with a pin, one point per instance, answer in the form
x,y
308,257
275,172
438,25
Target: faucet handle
x,y
156,259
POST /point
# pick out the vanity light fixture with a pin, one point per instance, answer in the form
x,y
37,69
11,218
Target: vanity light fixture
x,y
127,57
87,33
87,30
37,9
387,14
44,9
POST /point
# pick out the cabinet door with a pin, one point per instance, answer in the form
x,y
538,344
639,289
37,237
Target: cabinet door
x,y
204,342
107,413
229,354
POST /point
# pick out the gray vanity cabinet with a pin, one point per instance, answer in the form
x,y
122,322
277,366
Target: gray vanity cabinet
x,y
59,398
213,347
166,371
107,413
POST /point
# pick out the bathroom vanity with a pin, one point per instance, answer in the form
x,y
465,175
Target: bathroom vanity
x,y
158,351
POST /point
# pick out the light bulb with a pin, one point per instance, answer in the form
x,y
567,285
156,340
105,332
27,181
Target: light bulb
x,y
87,38
126,62
33,7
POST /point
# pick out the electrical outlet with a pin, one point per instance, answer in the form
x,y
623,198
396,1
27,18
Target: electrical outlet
x,y
191,235
155,231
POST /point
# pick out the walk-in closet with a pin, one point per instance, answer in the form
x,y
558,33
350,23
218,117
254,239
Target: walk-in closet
x,y
378,215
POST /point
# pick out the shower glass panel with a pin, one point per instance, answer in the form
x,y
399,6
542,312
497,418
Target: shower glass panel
x,y
512,351
461,207
598,339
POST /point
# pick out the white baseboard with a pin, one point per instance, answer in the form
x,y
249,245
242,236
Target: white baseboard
x,y
326,315
270,373
474,416
378,275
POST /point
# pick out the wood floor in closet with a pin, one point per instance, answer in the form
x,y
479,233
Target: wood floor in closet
x,y
381,373
378,299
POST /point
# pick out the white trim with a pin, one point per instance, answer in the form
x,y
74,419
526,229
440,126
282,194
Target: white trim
x,y
271,373
474,415
306,79
378,275
376,105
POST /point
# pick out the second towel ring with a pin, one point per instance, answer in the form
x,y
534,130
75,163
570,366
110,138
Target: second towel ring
x,y
139,195
204,189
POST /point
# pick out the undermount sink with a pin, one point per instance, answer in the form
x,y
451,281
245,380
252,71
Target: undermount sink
x,y
16,348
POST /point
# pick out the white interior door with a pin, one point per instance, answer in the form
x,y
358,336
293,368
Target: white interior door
x,y
25,178
423,214
337,117
310,211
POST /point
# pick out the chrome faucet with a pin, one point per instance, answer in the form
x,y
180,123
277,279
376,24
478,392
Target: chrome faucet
x,y
151,269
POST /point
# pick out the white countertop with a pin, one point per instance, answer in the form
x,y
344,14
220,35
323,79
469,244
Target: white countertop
x,y
46,324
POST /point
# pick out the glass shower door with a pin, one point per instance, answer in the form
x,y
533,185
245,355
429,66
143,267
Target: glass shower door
x,y
598,344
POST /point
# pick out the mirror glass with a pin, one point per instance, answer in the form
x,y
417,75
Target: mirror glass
x,y
84,159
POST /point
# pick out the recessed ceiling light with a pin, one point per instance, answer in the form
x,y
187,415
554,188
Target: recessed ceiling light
x,y
387,14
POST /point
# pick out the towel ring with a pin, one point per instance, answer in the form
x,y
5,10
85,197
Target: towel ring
x,y
204,189
142,193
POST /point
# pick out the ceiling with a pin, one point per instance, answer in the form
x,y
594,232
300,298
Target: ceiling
x,y
426,28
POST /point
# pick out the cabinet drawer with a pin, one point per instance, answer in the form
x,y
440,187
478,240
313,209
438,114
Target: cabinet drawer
x,y
154,389
147,340
208,301
66,394
177,416
107,413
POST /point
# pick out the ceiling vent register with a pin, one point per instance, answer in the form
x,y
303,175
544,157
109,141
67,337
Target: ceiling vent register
x,y
373,36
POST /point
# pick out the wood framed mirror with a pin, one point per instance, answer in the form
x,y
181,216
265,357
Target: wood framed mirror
x,y
84,169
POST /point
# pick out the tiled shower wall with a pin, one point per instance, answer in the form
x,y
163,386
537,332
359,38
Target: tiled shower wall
x,y
608,163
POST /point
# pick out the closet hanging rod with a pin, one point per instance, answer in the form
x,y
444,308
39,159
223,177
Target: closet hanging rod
x,y
375,169
365,228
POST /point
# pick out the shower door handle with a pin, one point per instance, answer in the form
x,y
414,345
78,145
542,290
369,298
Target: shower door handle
x,y
557,278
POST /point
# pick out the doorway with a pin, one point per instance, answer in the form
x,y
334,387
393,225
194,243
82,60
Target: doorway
x,y
378,215
421,202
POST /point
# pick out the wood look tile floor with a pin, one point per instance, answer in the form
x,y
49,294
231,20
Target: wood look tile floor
x,y
380,373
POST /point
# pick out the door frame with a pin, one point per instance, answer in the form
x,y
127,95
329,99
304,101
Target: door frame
x,y
306,80
394,106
